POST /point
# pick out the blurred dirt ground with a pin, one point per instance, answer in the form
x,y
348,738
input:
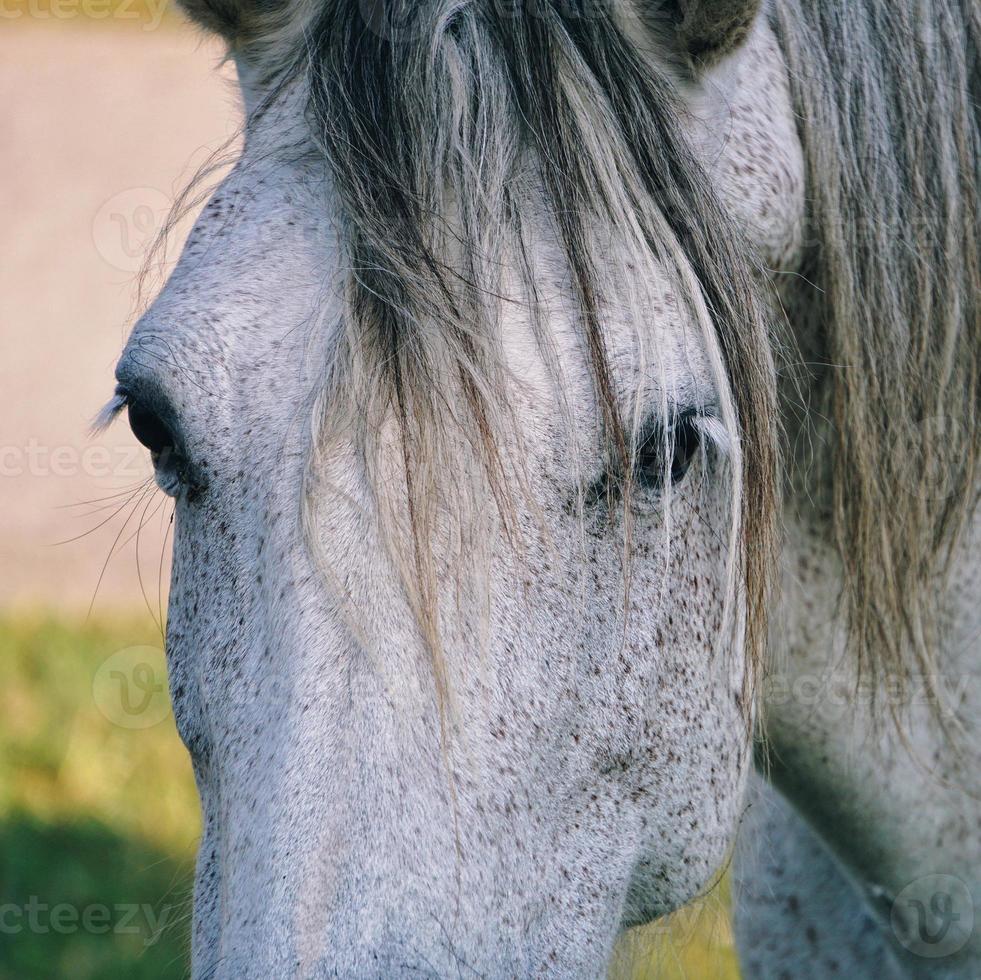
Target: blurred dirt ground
x,y
101,125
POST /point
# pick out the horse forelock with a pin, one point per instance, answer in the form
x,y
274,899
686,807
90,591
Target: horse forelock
x,y
440,129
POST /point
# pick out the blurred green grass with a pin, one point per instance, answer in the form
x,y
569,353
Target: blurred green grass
x,y
95,815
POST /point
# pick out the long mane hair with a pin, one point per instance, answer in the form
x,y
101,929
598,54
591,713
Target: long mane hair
x,y
441,119
889,105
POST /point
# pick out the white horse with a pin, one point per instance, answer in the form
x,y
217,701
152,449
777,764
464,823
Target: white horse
x,y
464,387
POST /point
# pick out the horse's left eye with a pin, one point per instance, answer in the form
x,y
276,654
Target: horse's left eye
x,y
669,455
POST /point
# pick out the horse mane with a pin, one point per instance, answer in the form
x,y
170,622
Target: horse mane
x,y
888,98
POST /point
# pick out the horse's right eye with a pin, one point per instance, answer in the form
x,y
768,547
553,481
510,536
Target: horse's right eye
x,y
157,436
150,430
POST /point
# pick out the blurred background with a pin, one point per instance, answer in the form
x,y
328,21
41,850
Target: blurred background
x,y
108,109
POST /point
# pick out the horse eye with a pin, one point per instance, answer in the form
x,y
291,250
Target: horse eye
x,y
682,443
686,440
156,435
150,430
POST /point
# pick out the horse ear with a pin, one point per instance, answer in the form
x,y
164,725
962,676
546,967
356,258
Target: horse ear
x,y
262,33
224,17
708,30
243,22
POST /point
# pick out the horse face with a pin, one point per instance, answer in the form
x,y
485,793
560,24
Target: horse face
x,y
582,769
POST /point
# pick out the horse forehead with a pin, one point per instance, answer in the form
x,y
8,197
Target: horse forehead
x,y
256,282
